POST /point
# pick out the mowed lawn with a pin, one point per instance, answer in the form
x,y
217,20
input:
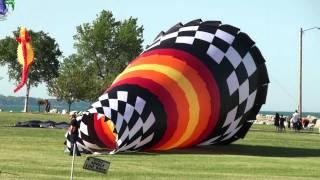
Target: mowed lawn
x,y
34,153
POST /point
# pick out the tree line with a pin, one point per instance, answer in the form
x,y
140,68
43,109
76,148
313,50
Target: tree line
x,y
104,47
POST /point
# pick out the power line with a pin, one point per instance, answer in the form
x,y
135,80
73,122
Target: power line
x,y
291,97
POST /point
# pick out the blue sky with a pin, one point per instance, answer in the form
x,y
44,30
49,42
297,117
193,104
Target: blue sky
x,y
274,26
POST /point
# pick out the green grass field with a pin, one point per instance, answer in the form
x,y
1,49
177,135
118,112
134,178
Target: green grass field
x,y
34,153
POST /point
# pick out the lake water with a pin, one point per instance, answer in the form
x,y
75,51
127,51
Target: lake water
x,y
32,108
287,113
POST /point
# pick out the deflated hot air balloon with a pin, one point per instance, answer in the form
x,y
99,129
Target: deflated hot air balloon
x,y
200,83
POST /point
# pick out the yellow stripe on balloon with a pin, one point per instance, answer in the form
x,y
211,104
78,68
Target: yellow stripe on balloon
x,y
110,126
188,89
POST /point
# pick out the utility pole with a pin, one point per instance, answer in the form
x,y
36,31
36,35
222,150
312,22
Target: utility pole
x,y
300,75
300,68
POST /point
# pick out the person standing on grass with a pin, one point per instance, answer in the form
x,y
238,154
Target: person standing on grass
x,y
295,120
281,125
277,121
288,122
73,131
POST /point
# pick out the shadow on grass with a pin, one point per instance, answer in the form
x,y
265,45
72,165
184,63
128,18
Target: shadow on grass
x,y
12,174
237,149
250,150
307,131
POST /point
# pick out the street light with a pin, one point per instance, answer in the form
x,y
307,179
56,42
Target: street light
x,y
300,69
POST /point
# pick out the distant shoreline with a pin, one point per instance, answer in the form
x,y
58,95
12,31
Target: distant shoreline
x,y
33,108
16,104
288,113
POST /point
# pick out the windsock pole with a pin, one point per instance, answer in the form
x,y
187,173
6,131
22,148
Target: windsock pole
x,y
72,164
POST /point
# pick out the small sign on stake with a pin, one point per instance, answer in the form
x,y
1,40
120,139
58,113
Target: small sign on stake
x,y
95,164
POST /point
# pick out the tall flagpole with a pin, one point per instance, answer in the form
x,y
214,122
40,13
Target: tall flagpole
x,y
300,68
300,75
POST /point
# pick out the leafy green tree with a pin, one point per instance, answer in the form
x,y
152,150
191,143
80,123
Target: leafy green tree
x,y
107,46
46,63
75,81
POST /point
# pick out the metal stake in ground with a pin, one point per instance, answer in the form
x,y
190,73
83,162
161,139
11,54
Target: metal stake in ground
x,y
72,164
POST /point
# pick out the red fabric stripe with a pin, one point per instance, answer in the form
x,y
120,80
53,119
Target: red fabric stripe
x,y
199,87
103,137
205,73
23,78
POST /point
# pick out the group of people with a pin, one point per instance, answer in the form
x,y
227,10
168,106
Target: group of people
x,y
279,123
294,122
